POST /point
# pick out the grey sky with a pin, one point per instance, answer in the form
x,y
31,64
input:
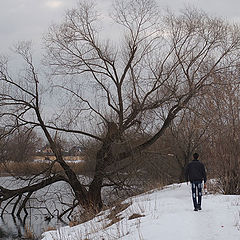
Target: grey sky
x,y
29,19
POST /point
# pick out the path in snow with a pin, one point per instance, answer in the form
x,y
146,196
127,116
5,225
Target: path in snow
x,y
177,220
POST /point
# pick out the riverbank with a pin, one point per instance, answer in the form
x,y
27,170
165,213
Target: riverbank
x,y
161,214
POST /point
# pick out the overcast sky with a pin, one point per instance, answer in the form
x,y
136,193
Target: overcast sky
x,y
29,19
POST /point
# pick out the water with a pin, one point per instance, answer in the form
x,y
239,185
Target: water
x,y
43,208
28,228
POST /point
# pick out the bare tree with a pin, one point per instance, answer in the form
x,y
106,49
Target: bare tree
x,y
148,76
22,145
222,106
187,134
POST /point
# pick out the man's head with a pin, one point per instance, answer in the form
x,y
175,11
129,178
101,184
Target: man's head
x,y
195,155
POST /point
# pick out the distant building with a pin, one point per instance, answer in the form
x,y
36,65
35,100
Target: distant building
x,y
46,154
46,149
75,151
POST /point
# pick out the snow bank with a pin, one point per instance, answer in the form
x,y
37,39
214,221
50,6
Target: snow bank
x,y
162,214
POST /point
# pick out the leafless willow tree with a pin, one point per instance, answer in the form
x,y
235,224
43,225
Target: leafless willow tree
x,y
138,82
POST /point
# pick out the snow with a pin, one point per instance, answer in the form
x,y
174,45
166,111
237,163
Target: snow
x,y
168,215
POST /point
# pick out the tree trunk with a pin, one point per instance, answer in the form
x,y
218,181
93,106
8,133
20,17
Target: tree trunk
x,y
103,159
94,194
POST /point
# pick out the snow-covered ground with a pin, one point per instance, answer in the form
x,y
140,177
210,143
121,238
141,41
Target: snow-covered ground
x,y
167,214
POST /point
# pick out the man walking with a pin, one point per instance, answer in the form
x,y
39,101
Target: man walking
x,y
195,172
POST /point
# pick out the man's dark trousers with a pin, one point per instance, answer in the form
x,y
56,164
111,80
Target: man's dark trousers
x,y
197,194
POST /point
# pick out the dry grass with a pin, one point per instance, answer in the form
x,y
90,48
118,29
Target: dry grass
x,y
125,216
29,232
114,213
81,216
213,187
73,223
135,215
30,168
118,209
85,216
153,185
49,228
237,221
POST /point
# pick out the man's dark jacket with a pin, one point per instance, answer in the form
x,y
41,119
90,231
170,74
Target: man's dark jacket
x,y
195,171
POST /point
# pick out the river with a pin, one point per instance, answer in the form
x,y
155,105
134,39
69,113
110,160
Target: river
x,y
42,209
